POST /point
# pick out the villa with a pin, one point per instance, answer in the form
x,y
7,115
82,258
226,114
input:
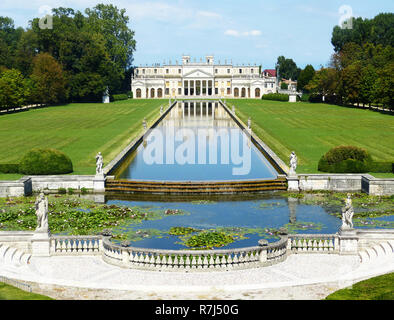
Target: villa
x,y
203,79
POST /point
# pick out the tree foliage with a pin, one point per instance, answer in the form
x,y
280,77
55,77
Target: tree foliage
x,y
89,51
287,68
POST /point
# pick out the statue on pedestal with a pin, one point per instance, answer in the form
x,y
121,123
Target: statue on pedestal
x,y
99,164
41,205
249,123
144,124
347,214
293,163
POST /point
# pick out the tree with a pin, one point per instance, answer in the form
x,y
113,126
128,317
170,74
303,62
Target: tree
x,y
287,68
324,82
379,30
12,89
306,75
49,80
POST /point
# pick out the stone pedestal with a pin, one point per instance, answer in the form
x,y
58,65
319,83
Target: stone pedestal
x,y
99,183
293,183
292,98
106,99
40,243
348,241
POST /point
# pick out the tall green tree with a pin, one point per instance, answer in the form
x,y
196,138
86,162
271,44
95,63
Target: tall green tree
x,y
287,68
13,91
49,80
305,76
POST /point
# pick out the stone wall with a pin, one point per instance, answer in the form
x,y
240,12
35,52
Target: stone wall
x,y
17,188
331,182
346,182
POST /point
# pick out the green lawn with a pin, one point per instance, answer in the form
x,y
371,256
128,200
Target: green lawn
x,y
311,129
8,292
377,288
79,130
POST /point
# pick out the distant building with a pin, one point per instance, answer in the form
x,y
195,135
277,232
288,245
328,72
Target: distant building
x,y
269,73
203,79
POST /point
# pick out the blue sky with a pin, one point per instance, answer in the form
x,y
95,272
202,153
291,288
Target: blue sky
x,y
241,31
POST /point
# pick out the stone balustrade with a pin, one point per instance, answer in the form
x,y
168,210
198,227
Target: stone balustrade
x,y
76,245
313,243
189,260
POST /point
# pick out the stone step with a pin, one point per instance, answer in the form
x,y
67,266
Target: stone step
x,y
3,250
386,247
364,257
379,250
372,253
9,255
13,256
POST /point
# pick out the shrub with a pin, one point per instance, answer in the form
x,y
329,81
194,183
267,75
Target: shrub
x,y
276,97
345,159
377,166
62,190
118,97
130,94
9,168
45,161
70,191
84,190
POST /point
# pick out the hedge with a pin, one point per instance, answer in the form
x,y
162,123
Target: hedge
x,y
118,97
9,168
276,97
385,167
45,161
345,159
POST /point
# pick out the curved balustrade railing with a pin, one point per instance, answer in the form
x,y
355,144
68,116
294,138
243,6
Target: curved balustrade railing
x,y
309,243
194,259
264,254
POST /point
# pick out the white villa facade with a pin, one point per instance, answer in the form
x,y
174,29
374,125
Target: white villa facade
x,y
203,79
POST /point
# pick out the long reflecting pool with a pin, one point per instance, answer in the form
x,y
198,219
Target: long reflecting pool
x,y
196,141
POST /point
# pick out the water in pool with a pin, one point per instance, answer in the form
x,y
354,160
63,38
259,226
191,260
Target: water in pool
x,y
196,141
247,218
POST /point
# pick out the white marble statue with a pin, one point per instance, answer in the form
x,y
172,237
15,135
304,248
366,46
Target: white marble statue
x,y
161,109
293,163
99,163
249,123
41,205
347,214
144,124
233,109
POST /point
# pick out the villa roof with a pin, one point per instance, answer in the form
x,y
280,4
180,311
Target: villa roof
x,y
271,72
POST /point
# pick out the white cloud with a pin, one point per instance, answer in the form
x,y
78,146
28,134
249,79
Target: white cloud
x,y
236,33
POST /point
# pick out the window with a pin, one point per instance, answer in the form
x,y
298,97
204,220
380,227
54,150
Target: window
x,y
240,70
251,70
155,71
216,91
228,71
179,71
228,90
167,71
143,71
216,70
179,91
167,91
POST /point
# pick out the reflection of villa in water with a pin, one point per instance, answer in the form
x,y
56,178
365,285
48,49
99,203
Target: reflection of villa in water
x,y
201,80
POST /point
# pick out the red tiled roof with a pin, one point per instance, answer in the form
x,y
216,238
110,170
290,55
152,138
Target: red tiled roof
x,y
271,72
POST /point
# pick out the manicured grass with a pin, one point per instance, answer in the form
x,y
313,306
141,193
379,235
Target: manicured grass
x,y
312,129
8,292
378,288
79,130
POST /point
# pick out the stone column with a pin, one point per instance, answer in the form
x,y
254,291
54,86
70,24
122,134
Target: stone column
x,y
194,86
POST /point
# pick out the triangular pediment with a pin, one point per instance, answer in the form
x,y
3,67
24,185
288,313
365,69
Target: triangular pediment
x,y
138,83
197,73
257,82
